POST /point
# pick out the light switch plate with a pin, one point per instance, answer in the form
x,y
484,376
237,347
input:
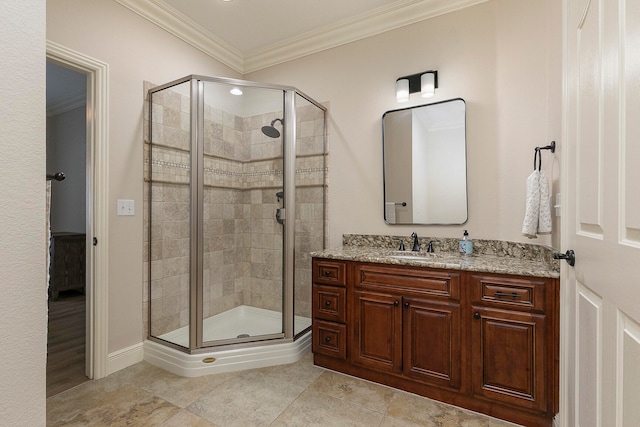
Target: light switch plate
x,y
126,207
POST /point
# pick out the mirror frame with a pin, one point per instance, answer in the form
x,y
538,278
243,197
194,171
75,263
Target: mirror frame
x,y
384,166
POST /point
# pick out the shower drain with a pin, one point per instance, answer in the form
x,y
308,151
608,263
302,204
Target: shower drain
x,y
243,336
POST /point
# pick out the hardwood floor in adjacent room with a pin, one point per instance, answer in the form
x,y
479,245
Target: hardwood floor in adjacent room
x,y
66,342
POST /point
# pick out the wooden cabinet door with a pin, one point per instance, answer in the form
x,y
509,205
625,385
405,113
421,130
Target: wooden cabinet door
x,y
508,357
377,331
432,345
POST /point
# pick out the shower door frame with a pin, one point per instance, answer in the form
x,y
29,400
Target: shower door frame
x,y
196,227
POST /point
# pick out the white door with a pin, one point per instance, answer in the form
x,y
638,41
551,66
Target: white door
x,y
601,217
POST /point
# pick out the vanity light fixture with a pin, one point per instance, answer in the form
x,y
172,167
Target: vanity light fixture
x,y
402,90
425,83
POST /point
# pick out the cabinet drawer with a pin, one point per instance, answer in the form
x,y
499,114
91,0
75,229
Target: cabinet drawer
x,y
329,339
425,281
509,291
329,272
329,303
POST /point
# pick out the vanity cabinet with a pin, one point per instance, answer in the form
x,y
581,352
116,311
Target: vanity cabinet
x,y
329,330
407,321
512,345
483,341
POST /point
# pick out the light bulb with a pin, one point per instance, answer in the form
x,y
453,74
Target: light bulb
x,y
427,84
402,90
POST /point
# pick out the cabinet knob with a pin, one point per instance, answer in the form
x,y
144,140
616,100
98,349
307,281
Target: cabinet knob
x,y
396,303
476,315
327,303
327,339
327,273
406,305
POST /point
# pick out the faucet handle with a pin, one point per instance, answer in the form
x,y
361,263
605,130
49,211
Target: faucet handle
x,y
401,248
430,247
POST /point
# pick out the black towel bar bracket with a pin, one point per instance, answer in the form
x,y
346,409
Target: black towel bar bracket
x,y
551,147
537,156
58,176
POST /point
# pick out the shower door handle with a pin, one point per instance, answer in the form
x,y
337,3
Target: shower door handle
x,y
280,215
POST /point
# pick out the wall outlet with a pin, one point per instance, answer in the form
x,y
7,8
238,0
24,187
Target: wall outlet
x,y
557,205
126,207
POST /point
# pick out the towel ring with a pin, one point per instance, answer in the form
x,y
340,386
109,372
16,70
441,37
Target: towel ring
x,y
537,157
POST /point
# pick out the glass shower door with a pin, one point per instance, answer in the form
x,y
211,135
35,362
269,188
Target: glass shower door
x,y
168,163
310,203
242,190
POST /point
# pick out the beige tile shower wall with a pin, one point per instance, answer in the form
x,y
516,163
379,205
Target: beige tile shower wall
x,y
170,207
168,163
310,209
225,249
262,178
265,251
309,238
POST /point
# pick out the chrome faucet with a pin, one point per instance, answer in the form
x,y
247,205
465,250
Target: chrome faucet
x,y
416,244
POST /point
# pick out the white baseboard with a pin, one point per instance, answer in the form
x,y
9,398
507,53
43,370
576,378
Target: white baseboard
x,y
124,358
237,359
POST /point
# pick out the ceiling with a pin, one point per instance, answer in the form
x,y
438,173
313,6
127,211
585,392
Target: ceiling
x,y
248,35
251,25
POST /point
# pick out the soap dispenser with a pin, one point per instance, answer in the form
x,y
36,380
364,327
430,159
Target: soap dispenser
x,y
466,246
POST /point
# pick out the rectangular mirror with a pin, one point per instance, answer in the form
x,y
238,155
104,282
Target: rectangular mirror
x,y
425,164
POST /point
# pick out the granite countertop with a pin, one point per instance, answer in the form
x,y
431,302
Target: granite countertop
x,y
523,262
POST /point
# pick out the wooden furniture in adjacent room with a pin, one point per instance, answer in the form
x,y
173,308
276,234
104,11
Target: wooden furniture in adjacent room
x,y
67,268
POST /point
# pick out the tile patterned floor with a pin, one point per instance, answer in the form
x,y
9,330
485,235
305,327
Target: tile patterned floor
x,y
298,394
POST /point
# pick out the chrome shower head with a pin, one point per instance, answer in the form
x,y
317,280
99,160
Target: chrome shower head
x,y
271,131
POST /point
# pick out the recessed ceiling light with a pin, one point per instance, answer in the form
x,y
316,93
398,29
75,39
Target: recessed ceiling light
x,y
235,90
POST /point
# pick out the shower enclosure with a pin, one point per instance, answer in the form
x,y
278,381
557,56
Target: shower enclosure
x,y
235,202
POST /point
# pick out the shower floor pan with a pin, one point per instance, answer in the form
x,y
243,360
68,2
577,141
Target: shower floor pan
x,y
230,324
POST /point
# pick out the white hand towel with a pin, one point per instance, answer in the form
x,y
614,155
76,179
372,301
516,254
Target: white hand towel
x,y
537,218
532,212
544,217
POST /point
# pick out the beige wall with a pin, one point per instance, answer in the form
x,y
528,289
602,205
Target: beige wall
x,y
23,305
502,57
135,50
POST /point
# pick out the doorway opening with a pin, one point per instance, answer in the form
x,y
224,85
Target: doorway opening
x,y
68,219
96,202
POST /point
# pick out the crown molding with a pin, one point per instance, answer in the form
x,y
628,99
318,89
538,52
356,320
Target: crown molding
x,y
387,18
396,15
174,22
67,104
